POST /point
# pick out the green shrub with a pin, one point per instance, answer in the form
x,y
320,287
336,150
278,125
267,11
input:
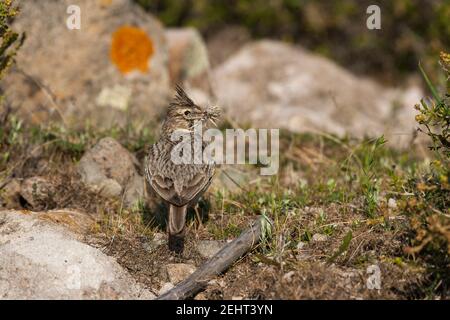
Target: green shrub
x,y
434,114
10,40
429,209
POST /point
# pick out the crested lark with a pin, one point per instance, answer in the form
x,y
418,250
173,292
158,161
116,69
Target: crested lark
x,y
179,185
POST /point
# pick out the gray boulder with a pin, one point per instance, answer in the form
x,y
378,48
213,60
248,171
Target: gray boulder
x,y
108,168
76,66
177,272
10,195
188,57
208,248
42,260
276,85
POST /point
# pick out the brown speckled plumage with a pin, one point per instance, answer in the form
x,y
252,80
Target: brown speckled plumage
x,y
179,185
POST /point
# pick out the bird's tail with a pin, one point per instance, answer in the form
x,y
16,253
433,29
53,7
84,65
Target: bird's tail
x,y
176,227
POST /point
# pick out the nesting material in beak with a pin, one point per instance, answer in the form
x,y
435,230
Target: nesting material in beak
x,y
212,113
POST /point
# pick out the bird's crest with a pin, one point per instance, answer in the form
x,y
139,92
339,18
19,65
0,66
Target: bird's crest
x,y
181,98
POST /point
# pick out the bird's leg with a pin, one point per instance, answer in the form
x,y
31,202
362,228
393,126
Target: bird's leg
x,y
176,228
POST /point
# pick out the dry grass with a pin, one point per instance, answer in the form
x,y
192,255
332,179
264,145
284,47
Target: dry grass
x,y
333,189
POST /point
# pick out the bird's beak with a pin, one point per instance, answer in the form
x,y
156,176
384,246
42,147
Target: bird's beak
x,y
211,114
213,122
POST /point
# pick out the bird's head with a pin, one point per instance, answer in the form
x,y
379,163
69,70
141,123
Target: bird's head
x,y
184,114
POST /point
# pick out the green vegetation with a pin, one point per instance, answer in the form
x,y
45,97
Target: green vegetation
x,y
435,114
344,202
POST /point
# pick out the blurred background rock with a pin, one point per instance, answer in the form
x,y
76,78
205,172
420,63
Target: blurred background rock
x,y
412,30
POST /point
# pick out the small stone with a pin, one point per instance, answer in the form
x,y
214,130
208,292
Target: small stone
x,y
237,298
208,248
76,221
288,276
10,195
158,240
188,56
108,188
301,245
37,192
392,203
317,237
100,92
165,287
303,183
221,283
177,272
134,190
43,260
201,296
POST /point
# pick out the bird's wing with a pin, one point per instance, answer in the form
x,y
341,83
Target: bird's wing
x,y
188,190
162,186
179,185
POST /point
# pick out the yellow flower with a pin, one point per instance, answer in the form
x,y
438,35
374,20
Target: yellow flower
x,y
420,118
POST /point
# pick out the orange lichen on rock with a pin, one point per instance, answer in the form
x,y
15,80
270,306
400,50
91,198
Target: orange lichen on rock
x,y
131,49
105,3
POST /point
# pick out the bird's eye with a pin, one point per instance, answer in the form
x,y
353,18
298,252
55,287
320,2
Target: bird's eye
x,y
187,112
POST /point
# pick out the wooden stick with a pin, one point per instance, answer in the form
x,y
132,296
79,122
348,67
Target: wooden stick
x,y
216,264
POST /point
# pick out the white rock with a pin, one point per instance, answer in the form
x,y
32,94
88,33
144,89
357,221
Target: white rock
x,y
392,203
10,195
37,191
158,240
288,276
301,245
208,248
317,237
165,287
42,260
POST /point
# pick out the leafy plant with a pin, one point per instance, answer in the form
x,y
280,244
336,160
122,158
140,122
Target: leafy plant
x,y
343,247
435,114
333,28
369,183
10,40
